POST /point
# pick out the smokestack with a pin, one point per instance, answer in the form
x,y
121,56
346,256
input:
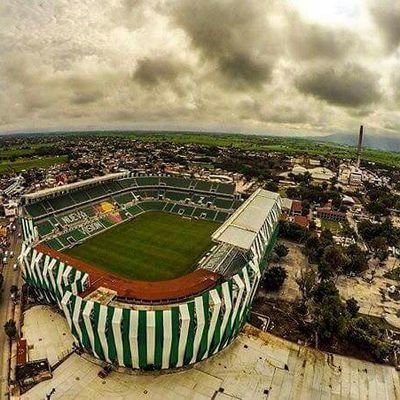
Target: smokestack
x,y
359,146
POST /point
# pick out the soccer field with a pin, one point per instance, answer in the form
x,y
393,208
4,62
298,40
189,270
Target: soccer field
x,y
154,246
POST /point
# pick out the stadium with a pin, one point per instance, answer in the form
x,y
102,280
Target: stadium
x,y
151,272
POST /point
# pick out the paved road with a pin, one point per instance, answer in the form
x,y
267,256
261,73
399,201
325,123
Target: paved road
x,y
10,278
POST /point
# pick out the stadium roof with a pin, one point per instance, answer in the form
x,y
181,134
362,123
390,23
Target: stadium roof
x,y
75,185
242,227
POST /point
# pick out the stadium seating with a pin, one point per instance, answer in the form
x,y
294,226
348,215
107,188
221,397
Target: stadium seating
x,y
203,186
127,183
190,198
236,204
223,203
176,196
148,180
204,213
124,198
175,182
207,200
72,217
125,215
134,210
54,244
226,188
152,205
221,216
151,194
168,207
60,202
36,209
111,187
95,192
77,235
63,239
187,210
45,228
106,222
79,196
89,211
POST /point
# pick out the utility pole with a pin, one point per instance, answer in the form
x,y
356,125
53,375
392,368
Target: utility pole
x,y
48,396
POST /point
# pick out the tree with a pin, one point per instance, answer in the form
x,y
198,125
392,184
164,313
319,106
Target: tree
x,y
272,186
313,248
14,289
291,231
281,250
380,248
328,312
325,289
274,278
333,261
1,281
10,329
312,225
366,335
330,318
357,260
326,237
352,307
306,282
369,231
348,231
305,207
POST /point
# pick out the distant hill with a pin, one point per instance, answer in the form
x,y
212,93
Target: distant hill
x,y
387,143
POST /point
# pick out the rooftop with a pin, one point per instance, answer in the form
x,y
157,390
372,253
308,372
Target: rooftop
x,y
242,227
255,366
46,192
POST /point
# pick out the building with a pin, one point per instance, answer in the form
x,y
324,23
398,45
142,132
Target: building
x,y
15,187
331,215
301,220
356,176
299,170
297,208
153,325
287,206
321,174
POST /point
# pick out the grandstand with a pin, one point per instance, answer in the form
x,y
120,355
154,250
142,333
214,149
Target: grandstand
x,y
151,324
78,206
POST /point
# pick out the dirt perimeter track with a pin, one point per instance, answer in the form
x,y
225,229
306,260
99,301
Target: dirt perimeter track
x,y
171,290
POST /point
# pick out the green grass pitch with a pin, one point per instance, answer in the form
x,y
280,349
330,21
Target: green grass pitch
x,y
154,246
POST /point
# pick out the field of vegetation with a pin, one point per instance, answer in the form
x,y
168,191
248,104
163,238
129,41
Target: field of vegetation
x,y
287,145
37,155
154,246
30,162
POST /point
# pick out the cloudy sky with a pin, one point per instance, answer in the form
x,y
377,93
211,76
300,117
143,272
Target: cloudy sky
x,y
272,66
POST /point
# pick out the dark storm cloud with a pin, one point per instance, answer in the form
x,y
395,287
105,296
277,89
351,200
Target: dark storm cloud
x,y
153,71
350,85
395,84
257,64
234,35
309,41
386,14
86,98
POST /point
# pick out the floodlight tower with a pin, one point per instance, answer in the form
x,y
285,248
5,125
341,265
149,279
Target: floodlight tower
x,y
359,146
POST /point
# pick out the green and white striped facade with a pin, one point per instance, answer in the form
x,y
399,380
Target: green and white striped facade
x,y
161,336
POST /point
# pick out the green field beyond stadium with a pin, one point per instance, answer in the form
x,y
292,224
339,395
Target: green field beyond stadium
x,y
154,246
